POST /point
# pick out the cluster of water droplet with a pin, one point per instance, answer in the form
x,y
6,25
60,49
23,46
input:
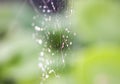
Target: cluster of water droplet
x,y
53,34
50,6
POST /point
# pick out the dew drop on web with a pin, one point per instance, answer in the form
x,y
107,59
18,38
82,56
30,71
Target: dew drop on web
x,y
53,34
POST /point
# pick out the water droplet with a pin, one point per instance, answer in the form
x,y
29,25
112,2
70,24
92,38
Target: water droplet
x,y
63,61
37,28
44,6
47,76
66,29
51,71
53,54
43,10
70,43
48,11
67,45
40,65
53,5
66,36
49,50
39,41
40,6
42,29
42,54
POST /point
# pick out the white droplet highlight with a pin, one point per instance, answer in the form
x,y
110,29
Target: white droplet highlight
x,y
53,54
70,43
44,6
42,54
48,11
37,28
49,50
39,41
46,76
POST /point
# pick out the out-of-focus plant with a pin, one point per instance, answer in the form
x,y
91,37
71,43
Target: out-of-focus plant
x,y
99,65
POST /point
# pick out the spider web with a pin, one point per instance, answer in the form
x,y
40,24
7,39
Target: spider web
x,y
53,34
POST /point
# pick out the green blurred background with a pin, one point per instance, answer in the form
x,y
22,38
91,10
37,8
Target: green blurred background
x,y
95,56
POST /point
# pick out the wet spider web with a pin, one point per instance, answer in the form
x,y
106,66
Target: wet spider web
x,y
53,34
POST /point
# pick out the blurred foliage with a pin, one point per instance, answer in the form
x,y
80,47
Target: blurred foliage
x,y
94,58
